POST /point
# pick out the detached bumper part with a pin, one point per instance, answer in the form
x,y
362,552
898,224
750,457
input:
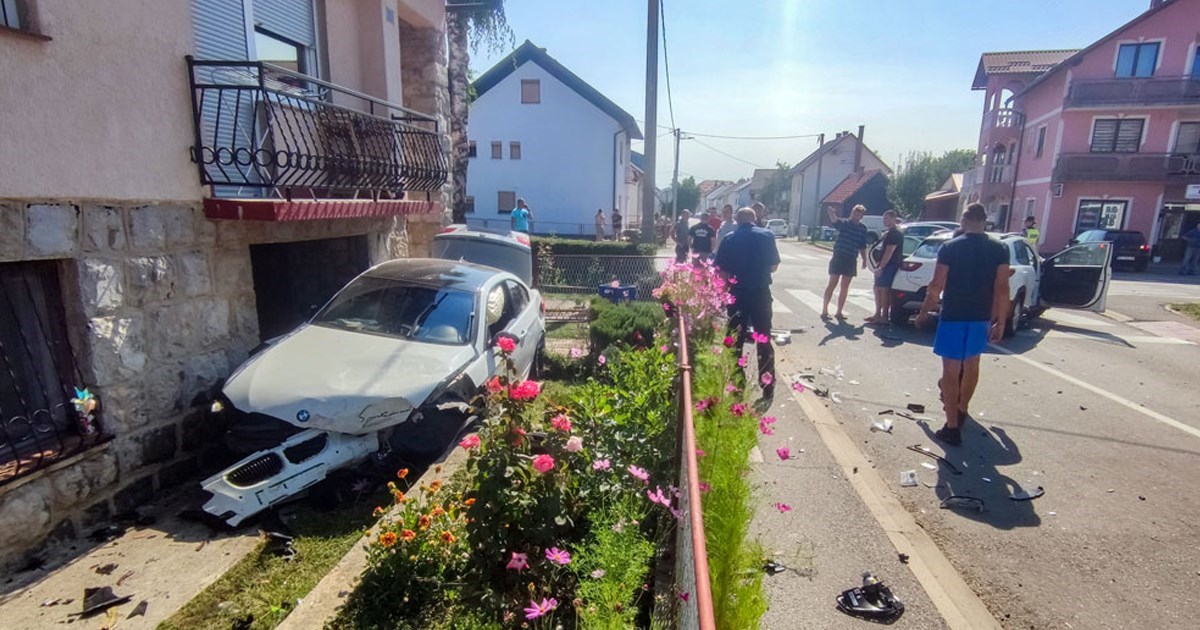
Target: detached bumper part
x,y
267,477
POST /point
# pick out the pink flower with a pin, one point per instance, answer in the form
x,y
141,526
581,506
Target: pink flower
x,y
759,337
738,409
742,361
535,609
716,350
575,353
663,348
601,464
674,512
767,379
558,556
574,444
703,404
543,463
519,562
658,497
783,452
700,453
782,507
765,428
798,387
704,487
470,442
730,388
601,359
768,420
494,386
561,422
506,344
684,596
728,341
598,573
639,473
525,390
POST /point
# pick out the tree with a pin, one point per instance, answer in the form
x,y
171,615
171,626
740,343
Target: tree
x,y
922,174
470,24
689,195
775,192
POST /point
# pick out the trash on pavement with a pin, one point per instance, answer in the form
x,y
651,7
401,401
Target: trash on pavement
x,y
963,501
1027,495
986,479
917,448
854,382
908,478
836,397
126,576
773,568
916,408
100,598
56,601
884,425
139,610
873,601
929,465
903,558
106,569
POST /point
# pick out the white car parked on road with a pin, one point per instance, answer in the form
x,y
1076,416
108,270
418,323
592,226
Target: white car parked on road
x,y
1075,278
778,227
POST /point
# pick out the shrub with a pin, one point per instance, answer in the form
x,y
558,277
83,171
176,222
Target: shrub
x,y
632,323
555,245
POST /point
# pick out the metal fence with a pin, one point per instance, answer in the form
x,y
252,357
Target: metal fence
x,y
580,274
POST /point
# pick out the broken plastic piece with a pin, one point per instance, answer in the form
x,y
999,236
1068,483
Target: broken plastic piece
x,y
139,610
1027,495
836,397
916,408
873,600
884,425
772,567
963,501
99,599
929,465
917,448
908,478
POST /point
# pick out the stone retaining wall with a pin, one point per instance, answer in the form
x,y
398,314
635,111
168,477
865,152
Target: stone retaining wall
x,y
160,305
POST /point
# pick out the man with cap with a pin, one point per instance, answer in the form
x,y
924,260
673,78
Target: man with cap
x,y
749,257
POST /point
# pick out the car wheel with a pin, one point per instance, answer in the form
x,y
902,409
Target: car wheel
x,y
1016,316
1142,266
899,315
537,369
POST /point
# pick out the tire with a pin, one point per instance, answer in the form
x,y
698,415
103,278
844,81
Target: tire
x,y
1016,317
537,370
1142,266
899,315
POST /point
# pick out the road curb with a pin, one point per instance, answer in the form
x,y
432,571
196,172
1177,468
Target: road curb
x,y
1116,317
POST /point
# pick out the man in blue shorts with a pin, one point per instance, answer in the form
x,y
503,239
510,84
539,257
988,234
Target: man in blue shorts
x,y
972,279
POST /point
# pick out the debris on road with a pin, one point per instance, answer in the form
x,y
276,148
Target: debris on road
x,y
917,448
903,558
908,478
964,501
873,601
884,425
773,568
916,408
126,576
836,397
106,569
139,610
100,598
57,601
929,465
1027,495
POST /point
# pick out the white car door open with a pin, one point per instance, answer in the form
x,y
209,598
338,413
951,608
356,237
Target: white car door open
x,y
1078,277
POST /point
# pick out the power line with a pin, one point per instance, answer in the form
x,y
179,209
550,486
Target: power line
x,y
732,157
662,19
709,135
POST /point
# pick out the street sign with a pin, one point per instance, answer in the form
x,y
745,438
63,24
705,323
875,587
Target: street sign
x,y
1193,191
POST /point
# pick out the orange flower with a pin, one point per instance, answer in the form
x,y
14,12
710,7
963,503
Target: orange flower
x,y
437,511
388,539
407,535
435,485
378,512
399,496
447,537
469,502
402,473
423,522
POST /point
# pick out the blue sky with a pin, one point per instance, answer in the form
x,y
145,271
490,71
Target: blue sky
x,y
790,67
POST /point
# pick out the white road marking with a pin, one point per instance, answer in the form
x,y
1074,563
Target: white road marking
x,y
1133,340
807,298
1073,319
1149,413
778,306
786,257
861,302
811,258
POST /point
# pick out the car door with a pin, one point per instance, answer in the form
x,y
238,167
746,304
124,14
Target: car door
x,y
1024,274
1078,277
525,325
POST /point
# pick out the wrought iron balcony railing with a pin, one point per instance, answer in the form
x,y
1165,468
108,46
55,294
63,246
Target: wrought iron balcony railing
x,y
268,129
1132,167
1146,91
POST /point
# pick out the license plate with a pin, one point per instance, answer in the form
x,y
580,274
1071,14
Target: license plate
x,y
1125,258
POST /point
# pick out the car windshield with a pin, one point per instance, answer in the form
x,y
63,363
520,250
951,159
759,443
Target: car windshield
x,y
386,307
1128,238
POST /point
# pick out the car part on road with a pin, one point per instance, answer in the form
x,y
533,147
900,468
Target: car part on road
x,y
1027,495
917,448
964,501
908,478
100,598
873,601
773,568
884,426
916,408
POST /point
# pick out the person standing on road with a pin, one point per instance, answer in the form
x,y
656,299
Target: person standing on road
x,y
1031,233
972,279
750,256
728,225
617,221
682,238
702,237
1191,253
760,214
521,216
889,264
851,242
600,224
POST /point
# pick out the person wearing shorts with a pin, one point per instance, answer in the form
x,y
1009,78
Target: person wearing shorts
x,y
851,243
972,279
889,264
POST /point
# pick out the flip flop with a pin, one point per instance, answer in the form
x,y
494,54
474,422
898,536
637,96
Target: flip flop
x,y
825,317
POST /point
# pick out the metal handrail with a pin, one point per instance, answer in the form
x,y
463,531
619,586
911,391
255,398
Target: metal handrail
x,y
1130,90
1112,166
695,515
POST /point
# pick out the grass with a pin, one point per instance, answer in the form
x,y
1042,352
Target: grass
x,y
266,586
1191,309
566,330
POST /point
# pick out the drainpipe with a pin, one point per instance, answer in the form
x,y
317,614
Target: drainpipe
x,y
615,185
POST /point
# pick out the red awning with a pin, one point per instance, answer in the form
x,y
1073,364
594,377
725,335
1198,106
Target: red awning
x,y
313,209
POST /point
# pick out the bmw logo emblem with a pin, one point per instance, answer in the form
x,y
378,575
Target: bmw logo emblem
x,y
302,415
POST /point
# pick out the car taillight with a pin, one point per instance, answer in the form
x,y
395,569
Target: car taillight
x,y
447,230
522,238
1145,248
909,266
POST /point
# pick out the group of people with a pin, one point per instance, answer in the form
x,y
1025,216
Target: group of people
x,y
703,240
601,223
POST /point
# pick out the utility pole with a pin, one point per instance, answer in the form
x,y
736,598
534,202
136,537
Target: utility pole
x,y
675,181
650,193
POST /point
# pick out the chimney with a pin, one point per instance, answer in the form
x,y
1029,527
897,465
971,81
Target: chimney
x,y
858,148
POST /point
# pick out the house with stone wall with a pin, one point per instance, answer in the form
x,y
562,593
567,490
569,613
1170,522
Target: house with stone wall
x,y
179,182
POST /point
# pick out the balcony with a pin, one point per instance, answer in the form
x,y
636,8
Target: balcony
x,y
1003,118
1127,167
1148,91
265,131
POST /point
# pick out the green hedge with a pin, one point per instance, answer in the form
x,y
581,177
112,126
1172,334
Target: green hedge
x,y
593,248
633,323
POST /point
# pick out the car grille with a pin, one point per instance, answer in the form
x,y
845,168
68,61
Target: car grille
x,y
306,450
255,471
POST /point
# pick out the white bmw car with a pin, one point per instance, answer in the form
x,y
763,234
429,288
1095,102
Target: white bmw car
x,y
386,368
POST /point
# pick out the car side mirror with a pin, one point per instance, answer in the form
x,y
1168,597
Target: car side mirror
x,y
1073,241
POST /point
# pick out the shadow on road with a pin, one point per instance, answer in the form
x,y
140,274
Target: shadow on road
x,y
841,328
979,457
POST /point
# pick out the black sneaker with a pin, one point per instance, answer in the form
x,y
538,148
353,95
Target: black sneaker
x,y
948,435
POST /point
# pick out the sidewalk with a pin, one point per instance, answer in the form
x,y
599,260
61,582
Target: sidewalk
x,y
830,537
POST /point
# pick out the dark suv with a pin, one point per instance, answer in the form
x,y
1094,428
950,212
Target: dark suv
x,y
1129,246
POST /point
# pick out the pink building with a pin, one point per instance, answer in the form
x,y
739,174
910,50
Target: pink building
x,y
1104,137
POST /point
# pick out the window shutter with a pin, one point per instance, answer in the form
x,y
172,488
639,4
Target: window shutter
x,y
1104,135
220,27
292,19
1129,135
1188,140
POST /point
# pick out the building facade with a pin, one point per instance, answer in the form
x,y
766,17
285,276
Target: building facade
x,y
1104,137
180,181
814,177
540,133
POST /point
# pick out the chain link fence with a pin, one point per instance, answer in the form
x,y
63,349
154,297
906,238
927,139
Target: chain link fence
x,y
578,275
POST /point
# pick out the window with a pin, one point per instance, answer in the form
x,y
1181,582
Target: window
x,y
497,150
514,150
469,202
278,51
531,91
1188,139
1137,60
383,306
1041,142
472,151
506,201
518,296
1029,207
1021,253
1196,63
10,15
1117,135
1100,214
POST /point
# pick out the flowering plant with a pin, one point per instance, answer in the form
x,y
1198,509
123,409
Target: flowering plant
x,y
699,292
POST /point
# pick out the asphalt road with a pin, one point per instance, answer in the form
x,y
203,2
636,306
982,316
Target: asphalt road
x,y
1099,412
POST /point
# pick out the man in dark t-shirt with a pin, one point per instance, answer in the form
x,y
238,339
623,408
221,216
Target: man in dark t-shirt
x,y
681,236
851,243
750,256
972,279
702,236
889,264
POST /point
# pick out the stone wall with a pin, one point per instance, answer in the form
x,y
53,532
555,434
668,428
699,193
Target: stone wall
x,y
426,84
160,306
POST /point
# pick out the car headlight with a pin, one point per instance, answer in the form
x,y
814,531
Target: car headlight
x,y
216,407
